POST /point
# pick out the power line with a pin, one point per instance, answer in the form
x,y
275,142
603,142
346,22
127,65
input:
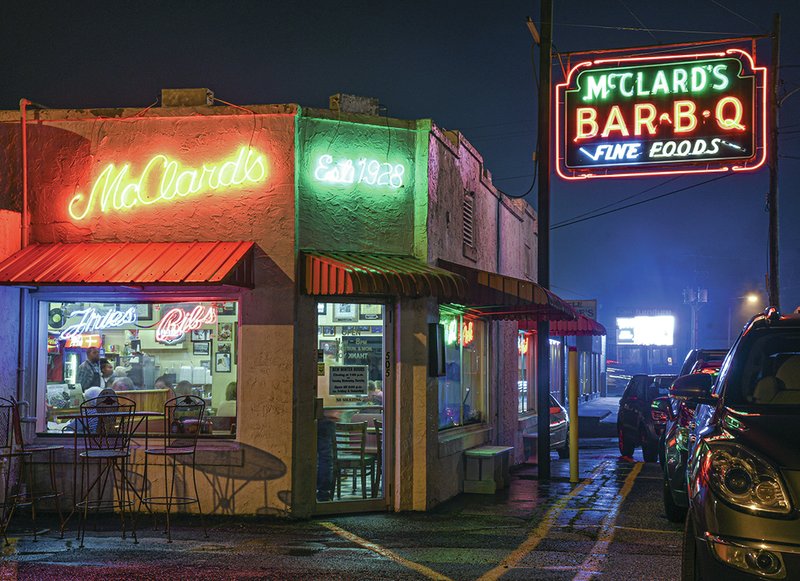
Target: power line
x,y
639,203
639,20
625,199
638,29
728,9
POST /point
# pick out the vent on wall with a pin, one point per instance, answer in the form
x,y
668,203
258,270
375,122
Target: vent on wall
x,y
469,219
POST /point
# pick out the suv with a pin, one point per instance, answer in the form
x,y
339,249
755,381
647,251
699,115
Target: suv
x,y
695,356
674,448
638,423
744,458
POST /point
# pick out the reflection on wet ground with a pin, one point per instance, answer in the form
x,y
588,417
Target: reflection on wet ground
x,y
609,526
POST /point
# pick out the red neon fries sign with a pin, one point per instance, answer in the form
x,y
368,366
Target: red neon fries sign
x,y
662,114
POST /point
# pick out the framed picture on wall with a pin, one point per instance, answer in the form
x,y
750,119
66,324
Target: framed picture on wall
x,y
225,331
201,348
222,362
144,312
345,312
201,335
370,312
322,308
226,309
223,347
329,331
329,348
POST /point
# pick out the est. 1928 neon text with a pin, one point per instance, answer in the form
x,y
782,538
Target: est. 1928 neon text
x,y
358,171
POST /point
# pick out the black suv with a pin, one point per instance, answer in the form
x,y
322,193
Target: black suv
x,y
638,422
744,458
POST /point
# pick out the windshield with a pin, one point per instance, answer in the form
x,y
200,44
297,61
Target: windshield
x,y
766,369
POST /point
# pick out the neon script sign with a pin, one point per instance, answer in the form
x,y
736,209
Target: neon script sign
x,y
347,171
661,114
163,179
177,322
92,321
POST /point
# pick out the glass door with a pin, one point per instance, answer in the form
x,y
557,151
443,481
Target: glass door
x,y
352,369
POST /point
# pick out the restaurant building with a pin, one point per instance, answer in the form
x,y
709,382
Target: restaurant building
x,y
300,269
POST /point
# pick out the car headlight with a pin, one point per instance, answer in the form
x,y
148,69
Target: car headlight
x,y
743,479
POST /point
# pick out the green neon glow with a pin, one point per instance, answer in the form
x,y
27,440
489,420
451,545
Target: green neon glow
x,y
349,171
163,179
451,332
684,78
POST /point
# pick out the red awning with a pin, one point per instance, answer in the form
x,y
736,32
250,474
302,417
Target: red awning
x,y
505,297
122,263
362,273
581,326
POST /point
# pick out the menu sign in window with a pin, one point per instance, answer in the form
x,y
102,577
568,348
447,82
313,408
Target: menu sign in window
x,y
360,350
347,380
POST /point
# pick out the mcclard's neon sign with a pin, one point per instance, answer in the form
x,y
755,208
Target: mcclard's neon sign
x,y
163,179
661,114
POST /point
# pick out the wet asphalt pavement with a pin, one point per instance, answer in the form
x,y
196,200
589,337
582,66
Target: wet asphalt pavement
x,y
610,526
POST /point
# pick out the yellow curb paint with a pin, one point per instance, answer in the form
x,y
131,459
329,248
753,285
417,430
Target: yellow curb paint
x,y
540,532
384,552
593,564
648,530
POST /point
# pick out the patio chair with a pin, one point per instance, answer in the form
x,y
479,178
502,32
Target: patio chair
x,y
106,425
377,474
183,417
25,491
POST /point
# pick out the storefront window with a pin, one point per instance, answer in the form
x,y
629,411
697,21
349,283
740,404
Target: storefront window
x,y
151,351
462,391
351,383
556,368
524,344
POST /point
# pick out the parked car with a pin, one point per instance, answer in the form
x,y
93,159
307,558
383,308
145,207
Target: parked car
x,y
638,423
701,355
674,449
744,458
559,432
559,428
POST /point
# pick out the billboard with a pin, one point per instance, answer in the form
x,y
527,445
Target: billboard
x,y
646,330
661,114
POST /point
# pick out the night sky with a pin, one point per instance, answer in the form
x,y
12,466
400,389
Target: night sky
x,y
467,65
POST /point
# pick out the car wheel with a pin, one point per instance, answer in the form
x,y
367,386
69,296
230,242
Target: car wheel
x,y
674,512
626,446
563,451
689,571
649,448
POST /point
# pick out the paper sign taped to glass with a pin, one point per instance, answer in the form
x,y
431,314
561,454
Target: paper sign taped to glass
x,y
348,379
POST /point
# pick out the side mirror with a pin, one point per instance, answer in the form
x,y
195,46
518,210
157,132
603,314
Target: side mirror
x,y
662,405
695,388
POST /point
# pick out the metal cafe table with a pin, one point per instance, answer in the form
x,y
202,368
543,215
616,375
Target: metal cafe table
x,y
140,417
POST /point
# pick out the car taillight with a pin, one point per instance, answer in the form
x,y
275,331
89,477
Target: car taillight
x,y
659,417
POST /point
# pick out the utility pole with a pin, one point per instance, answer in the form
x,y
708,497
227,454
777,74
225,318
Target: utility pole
x,y
543,255
772,197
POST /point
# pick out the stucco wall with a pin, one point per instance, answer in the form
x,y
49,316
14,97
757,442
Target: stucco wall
x,y
70,150
9,299
455,167
346,212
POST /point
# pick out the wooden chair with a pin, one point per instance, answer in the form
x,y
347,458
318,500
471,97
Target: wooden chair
x,y
377,473
350,455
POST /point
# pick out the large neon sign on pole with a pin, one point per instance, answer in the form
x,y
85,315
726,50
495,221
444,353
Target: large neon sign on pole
x,y
661,114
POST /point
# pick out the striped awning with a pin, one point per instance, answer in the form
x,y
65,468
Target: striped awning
x,y
505,297
130,263
581,326
368,273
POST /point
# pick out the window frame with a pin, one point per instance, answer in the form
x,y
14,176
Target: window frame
x,y
34,327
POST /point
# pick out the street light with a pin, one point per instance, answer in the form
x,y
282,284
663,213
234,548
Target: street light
x,y
750,298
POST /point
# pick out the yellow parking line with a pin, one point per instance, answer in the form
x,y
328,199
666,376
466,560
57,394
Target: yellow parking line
x,y
539,533
384,552
592,565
